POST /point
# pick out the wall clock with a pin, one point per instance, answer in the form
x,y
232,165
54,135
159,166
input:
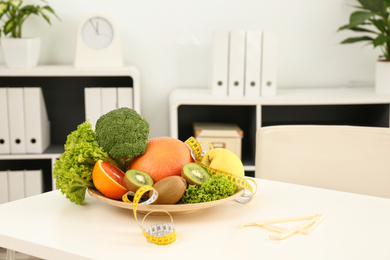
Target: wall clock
x,y
97,42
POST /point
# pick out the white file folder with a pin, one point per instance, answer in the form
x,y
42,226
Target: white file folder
x,y
125,97
236,63
16,120
220,63
253,63
37,124
109,100
33,182
3,187
269,66
4,127
16,185
93,110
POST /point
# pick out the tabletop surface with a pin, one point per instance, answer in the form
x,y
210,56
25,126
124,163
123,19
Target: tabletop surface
x,y
51,227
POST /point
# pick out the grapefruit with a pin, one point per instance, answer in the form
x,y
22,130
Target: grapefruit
x,y
164,156
108,179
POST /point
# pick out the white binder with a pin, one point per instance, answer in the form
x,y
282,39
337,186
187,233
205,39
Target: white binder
x,y
236,63
3,187
4,128
37,124
33,182
16,120
109,100
16,185
253,63
220,63
92,100
125,97
269,66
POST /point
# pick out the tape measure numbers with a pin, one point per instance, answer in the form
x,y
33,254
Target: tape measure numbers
x,y
160,233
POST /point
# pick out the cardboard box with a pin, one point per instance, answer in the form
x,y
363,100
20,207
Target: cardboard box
x,y
220,135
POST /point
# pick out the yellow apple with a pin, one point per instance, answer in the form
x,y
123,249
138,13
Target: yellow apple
x,y
224,160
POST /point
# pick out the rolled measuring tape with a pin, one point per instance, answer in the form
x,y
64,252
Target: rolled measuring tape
x,y
160,233
197,154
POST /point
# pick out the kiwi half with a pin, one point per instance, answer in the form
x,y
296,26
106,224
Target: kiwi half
x,y
134,179
195,174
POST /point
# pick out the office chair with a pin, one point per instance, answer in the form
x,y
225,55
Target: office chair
x,y
345,158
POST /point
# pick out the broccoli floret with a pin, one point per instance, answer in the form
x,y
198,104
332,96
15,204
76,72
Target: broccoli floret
x,y
122,133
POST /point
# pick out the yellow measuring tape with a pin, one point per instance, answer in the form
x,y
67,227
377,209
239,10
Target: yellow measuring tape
x,y
160,233
165,233
197,154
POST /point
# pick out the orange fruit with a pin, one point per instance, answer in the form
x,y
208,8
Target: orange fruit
x,y
163,157
108,179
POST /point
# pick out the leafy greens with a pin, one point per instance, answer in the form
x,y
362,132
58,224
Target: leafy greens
x,y
73,169
218,187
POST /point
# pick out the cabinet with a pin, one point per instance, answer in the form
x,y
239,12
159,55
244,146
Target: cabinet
x,y
326,106
63,91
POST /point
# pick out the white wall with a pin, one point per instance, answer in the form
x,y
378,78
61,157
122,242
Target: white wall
x,y
170,42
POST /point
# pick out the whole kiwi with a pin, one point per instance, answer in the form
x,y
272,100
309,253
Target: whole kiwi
x,y
170,189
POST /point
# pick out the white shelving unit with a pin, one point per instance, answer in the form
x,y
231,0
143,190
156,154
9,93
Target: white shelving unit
x,y
63,89
70,71
344,105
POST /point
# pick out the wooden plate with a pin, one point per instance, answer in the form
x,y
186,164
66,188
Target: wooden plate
x,y
175,209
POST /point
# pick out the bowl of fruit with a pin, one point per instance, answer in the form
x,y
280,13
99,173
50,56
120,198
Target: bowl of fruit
x,y
116,159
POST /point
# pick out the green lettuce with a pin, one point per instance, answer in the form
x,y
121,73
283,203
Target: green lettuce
x,y
73,169
218,187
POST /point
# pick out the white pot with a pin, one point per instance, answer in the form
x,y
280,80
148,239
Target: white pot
x,y
21,53
382,77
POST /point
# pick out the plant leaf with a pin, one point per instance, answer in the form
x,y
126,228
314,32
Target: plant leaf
x,y
356,28
3,8
44,15
48,8
361,29
381,39
29,9
344,27
387,3
15,3
357,39
348,26
375,6
9,26
358,18
379,24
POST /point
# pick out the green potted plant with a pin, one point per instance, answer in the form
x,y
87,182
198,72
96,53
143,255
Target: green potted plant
x,y
372,21
20,52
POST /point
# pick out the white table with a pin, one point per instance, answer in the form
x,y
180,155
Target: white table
x,y
51,227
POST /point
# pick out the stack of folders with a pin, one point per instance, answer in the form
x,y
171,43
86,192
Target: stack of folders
x,y
244,63
25,125
16,185
99,101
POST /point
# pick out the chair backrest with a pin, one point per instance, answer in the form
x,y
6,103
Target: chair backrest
x,y
345,158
